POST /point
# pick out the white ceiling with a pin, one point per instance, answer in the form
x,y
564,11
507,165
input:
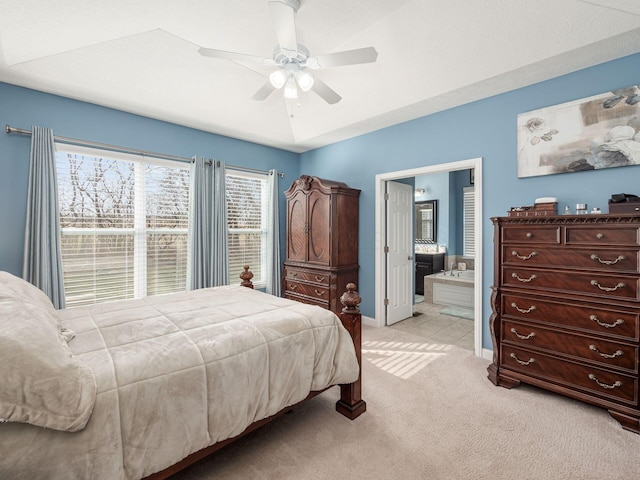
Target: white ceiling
x,y
141,57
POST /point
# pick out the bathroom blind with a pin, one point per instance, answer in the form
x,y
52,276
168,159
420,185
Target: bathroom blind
x,y
469,222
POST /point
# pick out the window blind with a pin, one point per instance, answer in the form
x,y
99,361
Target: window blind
x,y
246,195
124,224
469,222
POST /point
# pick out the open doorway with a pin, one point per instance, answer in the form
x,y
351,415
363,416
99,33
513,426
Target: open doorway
x,y
381,280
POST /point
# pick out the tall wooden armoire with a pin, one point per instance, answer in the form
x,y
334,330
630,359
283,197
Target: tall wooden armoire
x,y
322,241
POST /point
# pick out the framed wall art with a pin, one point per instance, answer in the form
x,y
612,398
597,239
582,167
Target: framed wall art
x,y
597,132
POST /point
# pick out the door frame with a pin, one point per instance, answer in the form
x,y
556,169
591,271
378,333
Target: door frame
x,y
380,229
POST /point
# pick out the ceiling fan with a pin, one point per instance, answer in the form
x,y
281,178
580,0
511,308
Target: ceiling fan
x,y
292,59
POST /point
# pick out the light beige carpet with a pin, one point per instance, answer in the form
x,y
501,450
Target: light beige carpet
x,y
431,414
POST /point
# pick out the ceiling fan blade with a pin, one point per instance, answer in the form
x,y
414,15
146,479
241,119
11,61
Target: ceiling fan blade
x,y
283,16
238,57
325,92
348,57
263,92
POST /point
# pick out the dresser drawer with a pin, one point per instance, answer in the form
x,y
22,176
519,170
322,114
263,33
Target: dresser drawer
x,y
607,353
609,321
307,300
613,260
598,381
597,235
298,274
531,234
590,283
314,291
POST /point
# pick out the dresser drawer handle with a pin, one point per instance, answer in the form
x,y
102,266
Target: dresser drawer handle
x,y
523,337
524,280
606,325
529,235
319,278
599,236
604,385
607,289
617,353
320,293
522,310
619,258
515,357
524,257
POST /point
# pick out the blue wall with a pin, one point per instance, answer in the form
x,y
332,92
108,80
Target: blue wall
x,y
486,129
23,108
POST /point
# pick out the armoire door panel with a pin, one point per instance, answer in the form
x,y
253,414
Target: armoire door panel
x,y
296,233
319,235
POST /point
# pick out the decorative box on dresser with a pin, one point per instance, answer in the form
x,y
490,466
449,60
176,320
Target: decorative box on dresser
x,y
566,304
322,241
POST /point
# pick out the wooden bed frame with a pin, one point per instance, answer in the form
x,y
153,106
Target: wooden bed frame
x,y
350,404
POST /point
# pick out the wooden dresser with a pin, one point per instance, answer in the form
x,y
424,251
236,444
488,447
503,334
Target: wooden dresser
x,y
322,241
566,303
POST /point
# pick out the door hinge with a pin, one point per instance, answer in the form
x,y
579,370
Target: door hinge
x,y
386,249
386,196
386,302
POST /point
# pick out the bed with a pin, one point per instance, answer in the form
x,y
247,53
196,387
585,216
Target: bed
x,y
141,388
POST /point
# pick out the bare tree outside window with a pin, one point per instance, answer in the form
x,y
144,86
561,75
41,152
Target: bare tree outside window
x,y
124,228
246,221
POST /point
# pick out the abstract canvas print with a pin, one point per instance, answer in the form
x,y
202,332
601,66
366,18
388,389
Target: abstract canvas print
x,y
597,132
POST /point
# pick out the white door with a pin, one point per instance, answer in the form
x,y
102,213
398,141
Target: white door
x,y
400,252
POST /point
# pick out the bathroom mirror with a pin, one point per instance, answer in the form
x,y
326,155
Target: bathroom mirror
x,y
426,215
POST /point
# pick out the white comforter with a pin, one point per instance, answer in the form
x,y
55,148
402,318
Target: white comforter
x,y
177,373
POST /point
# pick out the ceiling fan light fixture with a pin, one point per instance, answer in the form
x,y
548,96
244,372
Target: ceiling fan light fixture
x,y
278,78
290,88
305,80
291,59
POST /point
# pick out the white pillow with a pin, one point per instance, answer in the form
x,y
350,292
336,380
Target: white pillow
x,y
12,287
41,381
15,287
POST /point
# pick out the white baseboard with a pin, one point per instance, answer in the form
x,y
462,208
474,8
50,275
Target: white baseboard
x,y
371,322
487,354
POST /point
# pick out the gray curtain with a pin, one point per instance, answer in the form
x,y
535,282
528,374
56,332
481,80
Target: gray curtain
x,y
273,237
197,252
220,257
42,255
208,262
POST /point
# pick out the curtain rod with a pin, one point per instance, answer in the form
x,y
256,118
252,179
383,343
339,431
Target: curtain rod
x,y
115,148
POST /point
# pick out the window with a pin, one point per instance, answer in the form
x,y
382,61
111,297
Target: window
x,y
124,224
247,201
469,222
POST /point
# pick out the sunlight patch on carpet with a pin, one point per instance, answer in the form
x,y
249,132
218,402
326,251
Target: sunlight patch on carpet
x,y
402,359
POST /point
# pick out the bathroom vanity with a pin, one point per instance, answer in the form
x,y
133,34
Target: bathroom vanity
x,y
426,264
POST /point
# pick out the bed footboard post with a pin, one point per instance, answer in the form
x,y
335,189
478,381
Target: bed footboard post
x,y
246,275
351,404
